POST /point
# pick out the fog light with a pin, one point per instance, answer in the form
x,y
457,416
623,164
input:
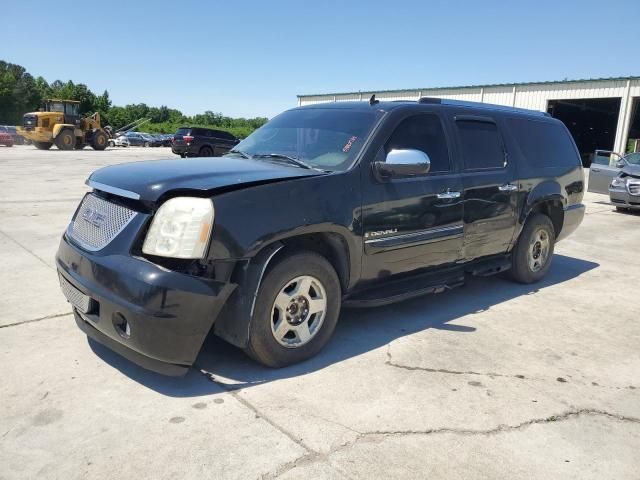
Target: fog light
x,y
121,325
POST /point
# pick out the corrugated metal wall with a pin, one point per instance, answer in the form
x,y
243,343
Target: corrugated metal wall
x,y
534,96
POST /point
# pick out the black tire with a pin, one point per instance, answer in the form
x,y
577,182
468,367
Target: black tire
x,y
99,140
146,144
43,145
205,152
621,209
66,140
263,346
537,225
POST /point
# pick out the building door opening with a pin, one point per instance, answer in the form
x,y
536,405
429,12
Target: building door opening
x,y
633,144
591,121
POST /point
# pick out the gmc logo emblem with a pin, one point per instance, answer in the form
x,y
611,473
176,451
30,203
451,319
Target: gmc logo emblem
x,y
93,217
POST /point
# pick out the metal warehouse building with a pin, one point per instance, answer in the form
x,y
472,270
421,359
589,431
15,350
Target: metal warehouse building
x,y
600,113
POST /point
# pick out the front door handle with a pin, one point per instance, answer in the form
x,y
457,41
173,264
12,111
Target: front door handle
x,y
448,195
508,187
595,169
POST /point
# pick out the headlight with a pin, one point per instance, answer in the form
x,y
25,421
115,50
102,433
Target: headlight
x,y
180,229
618,183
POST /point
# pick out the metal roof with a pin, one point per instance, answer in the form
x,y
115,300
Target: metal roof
x,y
489,85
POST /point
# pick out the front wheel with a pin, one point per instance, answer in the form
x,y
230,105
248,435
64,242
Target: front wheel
x,y
66,140
146,144
296,310
532,255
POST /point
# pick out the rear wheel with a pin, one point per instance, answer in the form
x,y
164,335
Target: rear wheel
x,y
146,144
532,255
621,209
43,145
66,140
296,310
206,152
99,140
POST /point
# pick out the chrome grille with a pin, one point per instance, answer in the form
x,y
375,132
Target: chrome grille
x,y
75,297
98,222
634,187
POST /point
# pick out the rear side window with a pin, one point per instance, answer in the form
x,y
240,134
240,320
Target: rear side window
x,y
224,135
183,131
544,144
480,145
425,133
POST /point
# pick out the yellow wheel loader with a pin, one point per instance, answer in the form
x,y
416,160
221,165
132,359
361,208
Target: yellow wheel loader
x,y
60,123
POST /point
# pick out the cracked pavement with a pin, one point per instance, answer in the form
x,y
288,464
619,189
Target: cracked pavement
x,y
492,380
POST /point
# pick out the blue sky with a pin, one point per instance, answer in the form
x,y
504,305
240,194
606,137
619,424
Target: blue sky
x,y
250,58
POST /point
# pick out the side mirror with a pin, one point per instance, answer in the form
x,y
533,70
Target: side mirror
x,y
401,164
620,164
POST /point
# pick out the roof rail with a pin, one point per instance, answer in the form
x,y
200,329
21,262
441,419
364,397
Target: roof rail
x,y
488,106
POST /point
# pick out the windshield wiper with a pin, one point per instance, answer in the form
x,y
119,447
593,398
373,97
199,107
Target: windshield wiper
x,y
292,160
239,152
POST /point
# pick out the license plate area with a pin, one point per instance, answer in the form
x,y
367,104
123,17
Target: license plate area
x,y
75,297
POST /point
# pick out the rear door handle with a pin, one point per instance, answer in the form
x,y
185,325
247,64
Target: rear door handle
x,y
448,195
595,169
508,187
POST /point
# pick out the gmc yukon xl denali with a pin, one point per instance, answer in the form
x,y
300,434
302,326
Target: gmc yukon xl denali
x,y
347,204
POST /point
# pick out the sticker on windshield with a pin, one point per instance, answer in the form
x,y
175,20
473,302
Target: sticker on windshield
x,y
349,144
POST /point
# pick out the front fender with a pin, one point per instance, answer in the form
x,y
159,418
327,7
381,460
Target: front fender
x,y
58,127
233,323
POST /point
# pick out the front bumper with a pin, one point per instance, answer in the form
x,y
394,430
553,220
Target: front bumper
x,y
36,134
573,216
622,198
169,314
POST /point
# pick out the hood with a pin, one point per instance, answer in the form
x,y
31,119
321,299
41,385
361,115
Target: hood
x,y
150,180
633,170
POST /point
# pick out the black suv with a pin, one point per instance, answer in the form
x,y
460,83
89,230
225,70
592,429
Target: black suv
x,y
347,204
202,142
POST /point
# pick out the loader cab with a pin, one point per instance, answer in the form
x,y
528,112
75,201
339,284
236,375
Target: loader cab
x,y
69,108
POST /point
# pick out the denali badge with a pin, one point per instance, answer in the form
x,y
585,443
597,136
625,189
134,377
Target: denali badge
x,y
94,217
380,233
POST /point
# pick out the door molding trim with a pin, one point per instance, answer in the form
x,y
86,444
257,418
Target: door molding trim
x,y
421,236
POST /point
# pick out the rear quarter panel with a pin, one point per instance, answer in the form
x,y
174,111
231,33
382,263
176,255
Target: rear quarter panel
x,y
537,184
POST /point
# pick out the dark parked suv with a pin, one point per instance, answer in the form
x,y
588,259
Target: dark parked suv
x,y
348,204
202,142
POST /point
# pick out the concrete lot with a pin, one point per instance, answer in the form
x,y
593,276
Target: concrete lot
x,y
493,380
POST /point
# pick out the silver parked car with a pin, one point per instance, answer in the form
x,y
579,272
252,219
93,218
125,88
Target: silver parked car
x,y
624,189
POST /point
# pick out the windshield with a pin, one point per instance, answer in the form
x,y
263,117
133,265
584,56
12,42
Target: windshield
x,y
327,139
55,107
633,158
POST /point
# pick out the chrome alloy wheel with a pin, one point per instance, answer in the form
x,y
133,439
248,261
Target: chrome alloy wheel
x,y
538,251
298,311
